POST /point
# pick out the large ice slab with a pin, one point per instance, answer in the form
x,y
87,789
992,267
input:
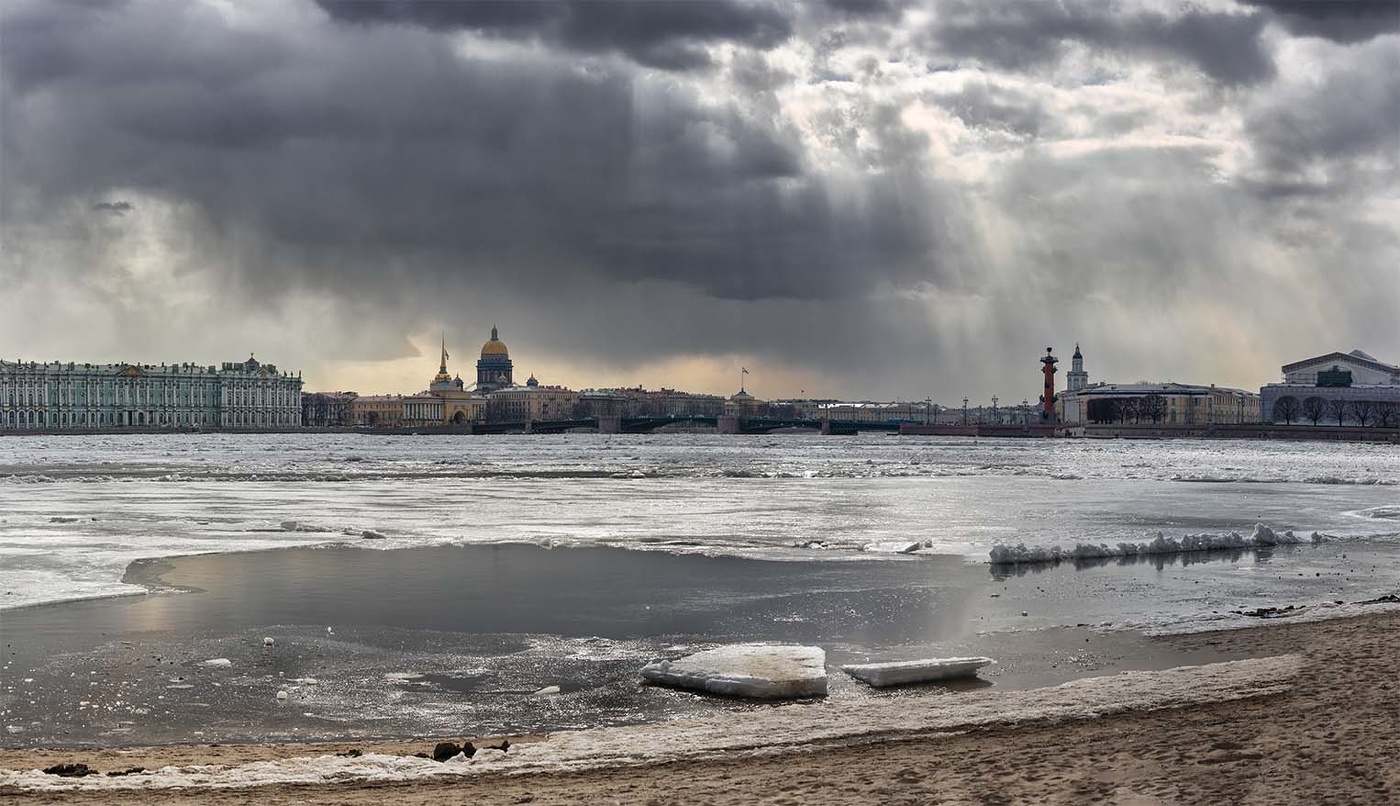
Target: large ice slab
x,y
764,671
901,672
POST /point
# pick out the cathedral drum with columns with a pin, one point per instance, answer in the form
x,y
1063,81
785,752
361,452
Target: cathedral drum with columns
x,y
494,370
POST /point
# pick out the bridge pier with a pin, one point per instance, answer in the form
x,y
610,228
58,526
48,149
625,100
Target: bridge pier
x,y
826,428
610,423
727,424
529,426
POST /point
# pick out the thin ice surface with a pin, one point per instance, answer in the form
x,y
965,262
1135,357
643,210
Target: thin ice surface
x,y
75,511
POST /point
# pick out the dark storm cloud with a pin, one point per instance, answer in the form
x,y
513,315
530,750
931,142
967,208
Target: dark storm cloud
x,y
856,9
1347,122
357,147
1343,21
1019,35
335,177
667,35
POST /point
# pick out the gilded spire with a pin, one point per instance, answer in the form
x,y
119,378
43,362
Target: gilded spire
x,y
442,367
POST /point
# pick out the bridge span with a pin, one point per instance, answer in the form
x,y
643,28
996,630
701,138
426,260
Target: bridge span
x,y
724,424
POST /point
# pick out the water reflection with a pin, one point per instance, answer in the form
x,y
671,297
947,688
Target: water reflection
x,y
1185,559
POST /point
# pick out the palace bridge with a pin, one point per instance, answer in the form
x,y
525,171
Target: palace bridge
x,y
724,424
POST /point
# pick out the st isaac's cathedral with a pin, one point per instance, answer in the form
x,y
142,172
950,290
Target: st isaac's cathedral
x,y
494,370
447,400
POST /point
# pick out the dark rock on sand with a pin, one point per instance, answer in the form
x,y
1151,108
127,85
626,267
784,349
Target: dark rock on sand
x,y
445,750
70,770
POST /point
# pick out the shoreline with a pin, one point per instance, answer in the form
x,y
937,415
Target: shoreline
x,y
1324,735
1245,432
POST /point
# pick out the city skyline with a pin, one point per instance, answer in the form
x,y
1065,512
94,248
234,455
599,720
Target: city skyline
x,y
723,375
882,200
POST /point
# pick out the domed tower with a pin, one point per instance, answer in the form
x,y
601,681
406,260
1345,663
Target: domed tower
x,y
494,370
1076,378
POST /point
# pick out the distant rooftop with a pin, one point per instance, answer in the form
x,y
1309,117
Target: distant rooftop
x,y
1355,355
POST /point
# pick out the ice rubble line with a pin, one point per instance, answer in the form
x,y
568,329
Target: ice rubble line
x,y
1322,611
756,732
1261,537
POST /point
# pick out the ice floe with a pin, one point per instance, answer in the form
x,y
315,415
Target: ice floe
x,y
904,672
761,671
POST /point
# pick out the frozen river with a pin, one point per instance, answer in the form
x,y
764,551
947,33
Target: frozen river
x,y
494,566
75,511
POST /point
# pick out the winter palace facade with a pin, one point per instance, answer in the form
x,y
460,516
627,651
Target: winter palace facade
x,y
59,396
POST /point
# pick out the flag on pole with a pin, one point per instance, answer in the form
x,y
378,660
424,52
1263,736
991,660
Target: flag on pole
x,y
743,371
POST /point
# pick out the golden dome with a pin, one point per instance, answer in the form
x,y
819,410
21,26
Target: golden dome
x,y
495,346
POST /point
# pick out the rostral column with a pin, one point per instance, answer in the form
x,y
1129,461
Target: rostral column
x,y
1047,400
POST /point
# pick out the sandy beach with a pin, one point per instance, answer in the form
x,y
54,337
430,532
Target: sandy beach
x,y
1327,735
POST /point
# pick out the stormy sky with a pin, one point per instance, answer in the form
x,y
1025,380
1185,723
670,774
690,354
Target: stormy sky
x,y
872,199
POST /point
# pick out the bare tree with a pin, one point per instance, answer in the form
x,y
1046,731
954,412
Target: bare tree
x,y
1363,410
1155,407
1115,410
1339,410
1102,410
1287,409
1387,414
1132,407
1314,408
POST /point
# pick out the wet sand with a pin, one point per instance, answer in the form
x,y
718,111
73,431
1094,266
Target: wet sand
x,y
1329,738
